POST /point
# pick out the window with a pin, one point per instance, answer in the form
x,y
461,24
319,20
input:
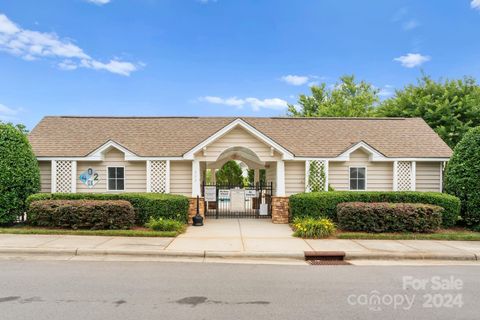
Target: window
x,y
116,178
358,178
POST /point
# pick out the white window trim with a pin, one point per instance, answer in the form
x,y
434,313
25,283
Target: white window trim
x,y
124,179
366,175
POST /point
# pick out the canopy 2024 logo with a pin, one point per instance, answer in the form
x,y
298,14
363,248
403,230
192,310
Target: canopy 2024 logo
x,y
89,178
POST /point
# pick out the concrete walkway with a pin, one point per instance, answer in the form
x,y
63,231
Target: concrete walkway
x,y
236,239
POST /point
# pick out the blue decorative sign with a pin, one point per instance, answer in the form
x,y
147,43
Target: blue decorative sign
x,y
89,177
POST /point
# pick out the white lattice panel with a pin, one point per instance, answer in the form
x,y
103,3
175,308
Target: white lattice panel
x,y
316,175
158,176
404,176
63,177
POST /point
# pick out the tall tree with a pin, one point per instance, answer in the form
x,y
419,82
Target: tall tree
x,y
230,173
346,99
19,173
450,107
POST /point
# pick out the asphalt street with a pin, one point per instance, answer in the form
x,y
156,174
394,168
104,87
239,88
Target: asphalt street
x,y
171,290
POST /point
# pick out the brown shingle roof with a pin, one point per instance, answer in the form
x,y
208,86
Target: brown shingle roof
x,y
174,136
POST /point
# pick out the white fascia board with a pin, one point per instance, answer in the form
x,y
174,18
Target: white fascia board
x,y
287,155
99,152
374,154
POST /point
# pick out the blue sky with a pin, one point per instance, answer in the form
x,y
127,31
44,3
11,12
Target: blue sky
x,y
223,57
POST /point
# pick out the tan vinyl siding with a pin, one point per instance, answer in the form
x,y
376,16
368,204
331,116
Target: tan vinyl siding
x,y
428,176
181,177
294,177
45,176
271,173
237,137
135,173
379,174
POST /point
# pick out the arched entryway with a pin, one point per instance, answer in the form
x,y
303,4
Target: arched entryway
x,y
246,197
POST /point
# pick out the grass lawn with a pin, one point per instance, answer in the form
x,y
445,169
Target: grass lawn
x,y
449,234
136,232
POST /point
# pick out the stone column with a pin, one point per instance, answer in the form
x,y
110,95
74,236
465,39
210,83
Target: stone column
x,y
280,210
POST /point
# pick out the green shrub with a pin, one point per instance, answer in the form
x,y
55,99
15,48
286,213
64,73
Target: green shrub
x,y
82,214
19,173
146,205
165,225
313,228
324,204
462,177
389,217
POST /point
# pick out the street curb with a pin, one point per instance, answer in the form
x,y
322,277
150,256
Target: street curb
x,y
255,255
446,256
410,256
152,253
39,251
130,252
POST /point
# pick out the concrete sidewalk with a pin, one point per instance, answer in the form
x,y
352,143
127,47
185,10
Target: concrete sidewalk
x,y
236,239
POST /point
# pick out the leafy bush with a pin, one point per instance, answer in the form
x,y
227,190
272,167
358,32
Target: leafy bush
x,y
82,214
389,217
165,225
146,205
313,228
19,173
462,177
324,204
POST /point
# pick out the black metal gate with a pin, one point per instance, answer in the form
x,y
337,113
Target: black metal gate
x,y
238,201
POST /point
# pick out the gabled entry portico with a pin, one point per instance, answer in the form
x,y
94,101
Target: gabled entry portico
x,y
239,141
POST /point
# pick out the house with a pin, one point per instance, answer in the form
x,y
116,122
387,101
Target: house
x,y
172,154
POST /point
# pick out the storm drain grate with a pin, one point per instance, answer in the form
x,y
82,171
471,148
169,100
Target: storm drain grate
x,y
325,258
328,262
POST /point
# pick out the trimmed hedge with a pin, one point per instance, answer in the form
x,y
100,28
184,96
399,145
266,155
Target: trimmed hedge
x,y
146,205
324,204
389,217
82,214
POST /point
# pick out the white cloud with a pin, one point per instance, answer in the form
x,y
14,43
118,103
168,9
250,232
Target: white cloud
x,y
33,45
7,113
233,101
475,4
295,80
386,91
410,25
412,60
206,1
99,2
255,103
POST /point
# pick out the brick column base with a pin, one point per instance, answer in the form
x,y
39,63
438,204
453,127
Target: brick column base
x,y
280,210
192,209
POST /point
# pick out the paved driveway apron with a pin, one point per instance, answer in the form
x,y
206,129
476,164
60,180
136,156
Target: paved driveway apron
x,y
239,235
